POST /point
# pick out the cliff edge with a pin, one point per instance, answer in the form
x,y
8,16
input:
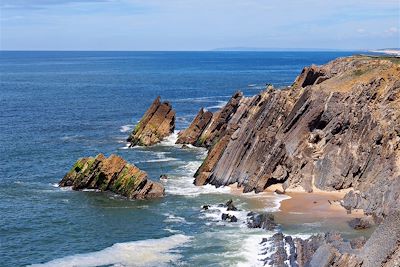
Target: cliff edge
x,y
337,127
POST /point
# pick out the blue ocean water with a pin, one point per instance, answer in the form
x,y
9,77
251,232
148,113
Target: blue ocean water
x,y
58,106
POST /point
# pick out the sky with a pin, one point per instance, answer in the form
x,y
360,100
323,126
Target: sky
x,y
165,25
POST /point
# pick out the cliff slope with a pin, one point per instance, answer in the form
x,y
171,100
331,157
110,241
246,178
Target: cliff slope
x,y
336,127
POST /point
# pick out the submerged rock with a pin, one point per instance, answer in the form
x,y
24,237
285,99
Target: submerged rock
x,y
263,220
229,205
157,123
337,127
228,217
111,174
361,223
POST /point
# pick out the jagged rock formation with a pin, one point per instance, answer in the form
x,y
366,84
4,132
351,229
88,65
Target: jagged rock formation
x,y
208,127
337,127
192,134
261,220
111,174
323,250
157,123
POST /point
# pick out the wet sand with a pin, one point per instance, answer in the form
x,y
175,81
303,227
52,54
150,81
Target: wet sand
x,y
303,213
317,211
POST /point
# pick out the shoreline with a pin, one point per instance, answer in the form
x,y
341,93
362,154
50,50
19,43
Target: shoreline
x,y
301,212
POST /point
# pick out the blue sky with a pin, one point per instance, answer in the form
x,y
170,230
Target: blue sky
x,y
198,24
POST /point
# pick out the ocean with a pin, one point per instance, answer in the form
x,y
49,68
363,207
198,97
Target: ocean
x,y
56,107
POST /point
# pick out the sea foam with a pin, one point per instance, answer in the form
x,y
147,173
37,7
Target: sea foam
x,y
150,252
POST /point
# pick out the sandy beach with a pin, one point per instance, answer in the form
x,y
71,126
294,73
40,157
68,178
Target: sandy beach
x,y
302,212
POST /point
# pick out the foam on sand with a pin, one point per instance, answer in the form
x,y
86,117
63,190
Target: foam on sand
x,y
150,252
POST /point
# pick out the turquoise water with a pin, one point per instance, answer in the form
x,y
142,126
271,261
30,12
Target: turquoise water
x,y
58,106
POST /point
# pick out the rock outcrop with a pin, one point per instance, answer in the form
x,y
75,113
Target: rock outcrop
x,y
157,123
192,134
337,127
261,220
111,174
330,249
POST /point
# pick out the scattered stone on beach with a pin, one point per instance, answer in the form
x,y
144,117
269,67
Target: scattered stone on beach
x,y
157,123
229,205
279,192
112,174
261,220
228,217
361,223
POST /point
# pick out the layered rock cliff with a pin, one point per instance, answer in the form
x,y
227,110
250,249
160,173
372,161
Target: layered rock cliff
x,y
111,174
337,127
330,249
157,123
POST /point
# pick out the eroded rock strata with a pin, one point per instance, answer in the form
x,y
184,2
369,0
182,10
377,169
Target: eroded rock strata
x,y
112,174
192,134
330,249
157,123
337,127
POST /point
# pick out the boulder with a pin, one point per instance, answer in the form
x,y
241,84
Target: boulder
x,y
157,123
228,217
361,223
111,174
261,220
229,205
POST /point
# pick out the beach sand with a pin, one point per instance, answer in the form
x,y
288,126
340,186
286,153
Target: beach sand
x,y
302,212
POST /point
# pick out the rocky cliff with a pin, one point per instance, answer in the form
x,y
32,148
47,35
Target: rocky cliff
x,y
337,127
330,249
157,123
111,174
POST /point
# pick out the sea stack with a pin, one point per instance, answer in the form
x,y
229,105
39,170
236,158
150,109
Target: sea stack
x,y
112,174
157,123
337,127
192,134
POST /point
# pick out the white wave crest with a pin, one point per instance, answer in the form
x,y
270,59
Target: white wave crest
x,y
170,140
150,252
126,128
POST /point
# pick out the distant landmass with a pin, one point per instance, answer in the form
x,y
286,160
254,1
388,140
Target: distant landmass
x,y
281,49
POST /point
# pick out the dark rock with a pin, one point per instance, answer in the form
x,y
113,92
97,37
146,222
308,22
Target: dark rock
x,y
163,177
361,223
263,220
230,205
157,123
229,217
111,174
206,207
185,147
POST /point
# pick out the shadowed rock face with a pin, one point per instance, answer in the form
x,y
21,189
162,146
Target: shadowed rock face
x,y
337,127
192,134
111,174
157,123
